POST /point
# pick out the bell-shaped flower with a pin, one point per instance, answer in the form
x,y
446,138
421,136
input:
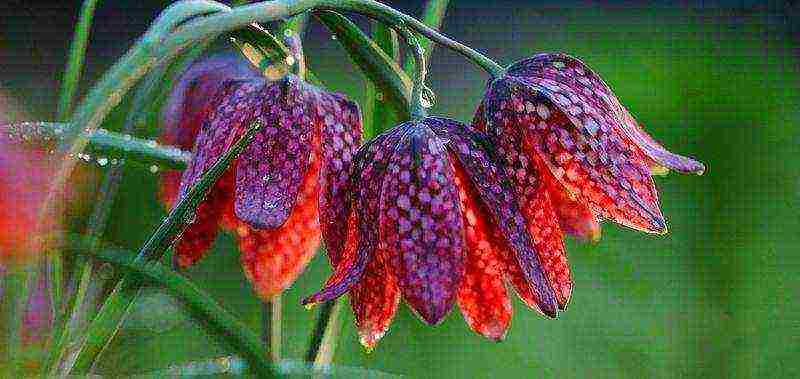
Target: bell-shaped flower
x,y
575,154
432,219
279,193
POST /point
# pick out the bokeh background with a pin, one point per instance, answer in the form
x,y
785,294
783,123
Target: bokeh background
x,y
717,297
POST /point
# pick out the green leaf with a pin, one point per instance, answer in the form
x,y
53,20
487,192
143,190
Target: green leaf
x,y
376,65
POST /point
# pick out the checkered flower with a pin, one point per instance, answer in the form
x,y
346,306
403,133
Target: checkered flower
x,y
280,193
432,218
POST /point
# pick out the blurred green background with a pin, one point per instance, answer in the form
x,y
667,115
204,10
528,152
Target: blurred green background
x,y
717,297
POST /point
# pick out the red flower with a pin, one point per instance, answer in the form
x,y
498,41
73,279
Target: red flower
x,y
282,186
432,217
575,154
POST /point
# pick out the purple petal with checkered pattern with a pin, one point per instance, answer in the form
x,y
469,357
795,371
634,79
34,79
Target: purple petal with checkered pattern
x,y
272,167
497,194
369,168
233,113
562,74
340,121
421,224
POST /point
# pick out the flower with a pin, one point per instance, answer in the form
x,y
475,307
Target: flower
x,y
433,218
575,155
277,196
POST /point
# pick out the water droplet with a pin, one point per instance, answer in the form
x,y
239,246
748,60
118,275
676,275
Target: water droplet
x,y
127,137
288,32
153,169
266,177
152,143
114,161
333,38
102,161
379,96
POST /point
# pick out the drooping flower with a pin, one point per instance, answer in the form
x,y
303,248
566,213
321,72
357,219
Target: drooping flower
x,y
277,197
432,218
575,154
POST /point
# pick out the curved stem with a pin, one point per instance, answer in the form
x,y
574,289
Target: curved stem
x,y
432,15
418,91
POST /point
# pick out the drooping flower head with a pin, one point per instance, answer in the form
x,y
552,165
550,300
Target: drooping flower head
x,y
575,155
432,218
559,124
282,186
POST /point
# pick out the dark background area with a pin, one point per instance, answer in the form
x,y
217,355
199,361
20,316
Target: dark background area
x,y
717,297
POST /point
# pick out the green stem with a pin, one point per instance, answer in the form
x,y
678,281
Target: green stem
x,y
215,319
77,52
417,108
325,333
271,327
104,144
432,16
108,320
377,112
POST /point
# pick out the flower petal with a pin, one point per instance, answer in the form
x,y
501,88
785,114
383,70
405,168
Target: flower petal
x,y
272,168
340,122
420,223
589,158
233,111
200,234
369,167
500,199
374,301
195,90
273,258
574,217
569,76
482,295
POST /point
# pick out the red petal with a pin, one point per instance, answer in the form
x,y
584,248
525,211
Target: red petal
x,y
374,301
544,228
482,295
574,217
420,223
201,233
272,259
